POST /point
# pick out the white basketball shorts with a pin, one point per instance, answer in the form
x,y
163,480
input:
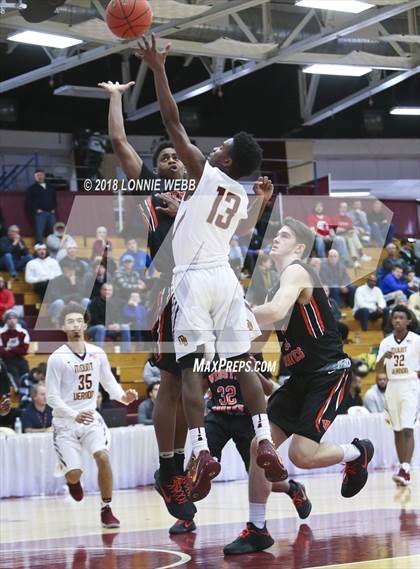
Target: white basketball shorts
x,y
402,403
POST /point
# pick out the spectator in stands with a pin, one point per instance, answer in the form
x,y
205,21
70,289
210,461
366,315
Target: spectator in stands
x,y
14,345
5,403
41,203
344,228
66,288
135,314
374,399
106,319
353,398
7,298
40,270
127,280
81,265
395,288
369,303
360,221
263,279
36,375
142,261
325,236
101,244
380,226
13,252
391,260
236,257
58,241
151,373
93,282
145,411
316,263
414,305
407,254
334,275
37,417
342,327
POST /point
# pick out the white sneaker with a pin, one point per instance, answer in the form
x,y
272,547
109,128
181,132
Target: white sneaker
x,y
365,258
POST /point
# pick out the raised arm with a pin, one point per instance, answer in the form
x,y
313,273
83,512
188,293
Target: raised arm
x,y
190,155
263,190
130,161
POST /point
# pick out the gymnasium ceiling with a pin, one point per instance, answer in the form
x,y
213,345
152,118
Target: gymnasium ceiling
x,y
224,48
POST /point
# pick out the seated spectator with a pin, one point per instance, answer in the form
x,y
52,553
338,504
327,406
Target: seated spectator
x,y
316,263
14,345
381,229
374,399
360,221
58,241
142,261
106,319
334,275
13,252
395,288
407,254
353,398
36,375
5,403
414,305
93,282
40,270
391,260
37,417
342,327
127,280
325,236
135,314
145,411
370,304
151,373
66,288
236,257
81,265
41,203
7,298
344,228
101,244
263,279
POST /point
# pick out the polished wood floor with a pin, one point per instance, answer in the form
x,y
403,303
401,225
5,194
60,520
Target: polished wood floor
x,y
378,529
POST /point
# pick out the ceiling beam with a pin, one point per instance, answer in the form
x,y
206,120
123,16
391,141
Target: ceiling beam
x,y
302,24
245,29
361,95
62,64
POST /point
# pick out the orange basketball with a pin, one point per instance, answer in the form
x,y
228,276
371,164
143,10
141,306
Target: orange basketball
x,y
129,19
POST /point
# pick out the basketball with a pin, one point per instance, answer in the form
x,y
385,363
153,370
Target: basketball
x,y
128,19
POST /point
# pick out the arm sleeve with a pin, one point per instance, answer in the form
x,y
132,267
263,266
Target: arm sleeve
x,y
30,276
381,299
52,384
368,403
142,416
108,381
381,351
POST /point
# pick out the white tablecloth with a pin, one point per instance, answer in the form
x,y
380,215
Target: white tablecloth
x,y
27,462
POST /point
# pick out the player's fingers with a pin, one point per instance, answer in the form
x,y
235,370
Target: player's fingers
x,y
153,41
168,48
146,42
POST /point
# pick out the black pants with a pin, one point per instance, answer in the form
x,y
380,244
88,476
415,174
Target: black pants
x,y
221,427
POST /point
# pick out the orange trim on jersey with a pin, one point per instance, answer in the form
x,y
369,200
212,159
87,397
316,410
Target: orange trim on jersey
x,y
305,319
318,313
152,211
327,402
160,328
146,221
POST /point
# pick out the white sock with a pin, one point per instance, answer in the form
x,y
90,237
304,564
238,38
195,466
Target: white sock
x,y
198,440
105,504
350,452
257,514
262,427
405,466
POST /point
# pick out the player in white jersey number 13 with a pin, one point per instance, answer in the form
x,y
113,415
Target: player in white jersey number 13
x,y
208,304
74,372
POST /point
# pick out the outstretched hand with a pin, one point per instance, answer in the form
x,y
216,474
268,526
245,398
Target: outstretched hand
x,y
150,53
116,87
263,187
129,396
171,205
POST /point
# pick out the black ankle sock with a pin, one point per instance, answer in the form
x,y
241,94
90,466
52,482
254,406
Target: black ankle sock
x,y
167,468
179,462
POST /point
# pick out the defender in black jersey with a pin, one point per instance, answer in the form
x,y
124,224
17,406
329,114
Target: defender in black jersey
x,y
306,405
158,211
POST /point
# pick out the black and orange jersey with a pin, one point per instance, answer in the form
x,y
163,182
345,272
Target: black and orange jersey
x,y
226,396
158,225
310,339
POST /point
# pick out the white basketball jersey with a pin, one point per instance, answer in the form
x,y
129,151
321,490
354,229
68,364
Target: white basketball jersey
x,y
405,362
205,223
72,381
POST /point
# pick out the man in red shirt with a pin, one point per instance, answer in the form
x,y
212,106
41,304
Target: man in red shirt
x,y
7,298
14,344
320,223
344,227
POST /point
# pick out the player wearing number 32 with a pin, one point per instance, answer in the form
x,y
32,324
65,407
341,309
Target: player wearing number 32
x,y
74,372
209,311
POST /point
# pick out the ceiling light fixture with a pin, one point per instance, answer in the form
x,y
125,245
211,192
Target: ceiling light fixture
x,y
351,6
406,111
331,69
41,38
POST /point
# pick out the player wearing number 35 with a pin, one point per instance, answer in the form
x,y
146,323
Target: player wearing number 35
x,y
209,312
74,372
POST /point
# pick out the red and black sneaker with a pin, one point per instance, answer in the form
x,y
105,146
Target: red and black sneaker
x,y
108,519
269,461
300,500
356,471
182,526
203,469
177,502
402,478
76,491
250,540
